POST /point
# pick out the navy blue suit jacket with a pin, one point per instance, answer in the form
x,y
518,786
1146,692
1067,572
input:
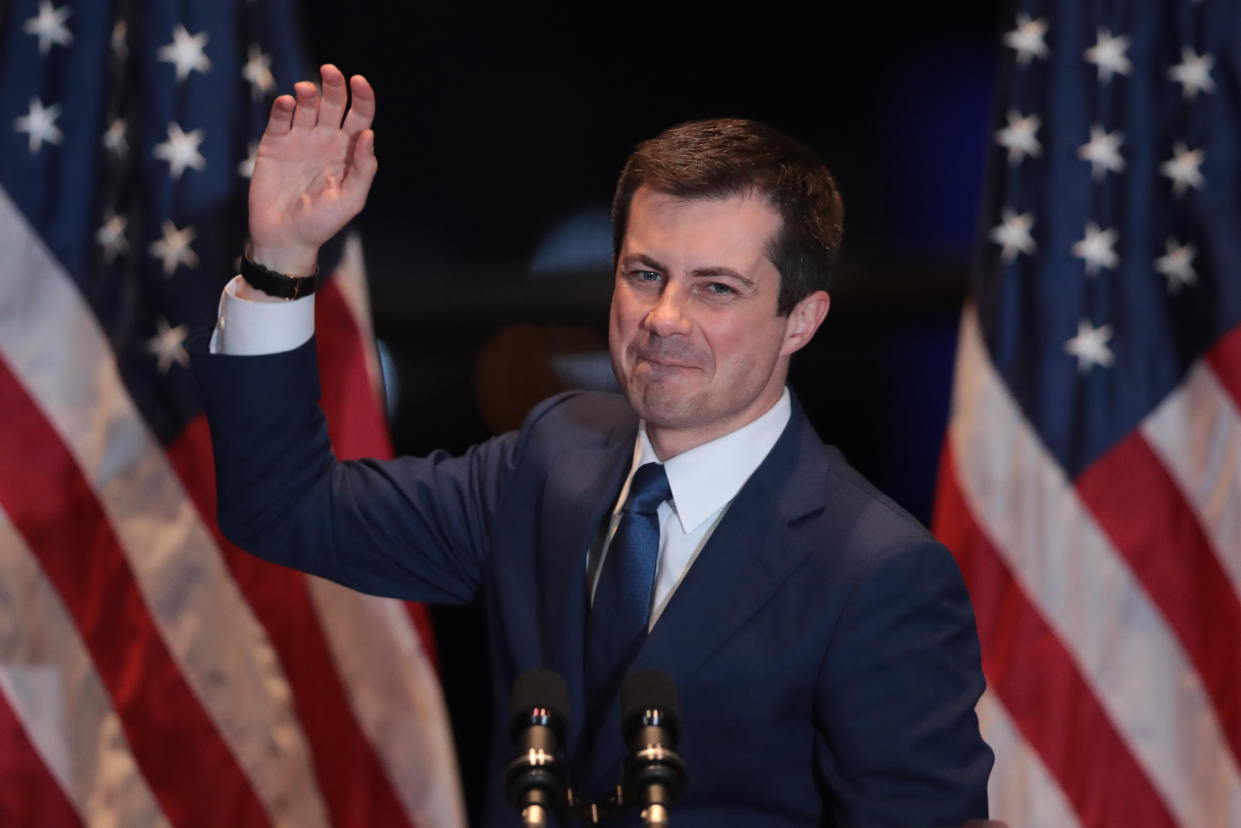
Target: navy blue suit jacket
x,y
822,644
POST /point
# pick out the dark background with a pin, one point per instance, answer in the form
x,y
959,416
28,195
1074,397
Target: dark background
x,y
500,134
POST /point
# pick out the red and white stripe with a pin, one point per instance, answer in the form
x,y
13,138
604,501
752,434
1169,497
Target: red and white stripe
x,y
50,685
159,675
1107,606
1020,782
1195,435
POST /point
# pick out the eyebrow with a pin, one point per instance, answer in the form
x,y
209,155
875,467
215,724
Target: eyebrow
x,y
698,273
722,272
643,260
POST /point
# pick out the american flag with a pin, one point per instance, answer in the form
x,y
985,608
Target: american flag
x,y
150,673
1091,480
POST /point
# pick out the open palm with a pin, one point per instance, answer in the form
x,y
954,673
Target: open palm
x,y
314,167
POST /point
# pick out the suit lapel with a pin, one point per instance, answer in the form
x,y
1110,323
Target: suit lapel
x,y
581,489
750,554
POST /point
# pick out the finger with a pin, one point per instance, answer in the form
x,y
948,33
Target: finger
x,y
281,119
335,96
306,114
362,171
362,109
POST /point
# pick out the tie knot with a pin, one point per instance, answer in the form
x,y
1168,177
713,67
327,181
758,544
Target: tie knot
x,y
648,489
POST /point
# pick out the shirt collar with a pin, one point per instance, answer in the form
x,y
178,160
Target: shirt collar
x,y
706,478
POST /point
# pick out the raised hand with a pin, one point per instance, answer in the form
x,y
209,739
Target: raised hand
x,y
314,167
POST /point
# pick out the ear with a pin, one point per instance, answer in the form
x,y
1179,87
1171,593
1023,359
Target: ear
x,y
804,320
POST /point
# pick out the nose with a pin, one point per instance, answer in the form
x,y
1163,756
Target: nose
x,y
668,317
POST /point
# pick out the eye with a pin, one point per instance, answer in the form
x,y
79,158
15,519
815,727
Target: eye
x,y
645,277
719,289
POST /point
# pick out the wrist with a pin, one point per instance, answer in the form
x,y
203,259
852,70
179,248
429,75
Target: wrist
x,y
291,261
277,283
244,290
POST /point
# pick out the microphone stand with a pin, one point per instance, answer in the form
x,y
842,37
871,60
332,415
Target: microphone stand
x,y
651,721
534,780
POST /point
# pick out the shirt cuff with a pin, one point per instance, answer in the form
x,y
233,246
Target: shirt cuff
x,y
258,325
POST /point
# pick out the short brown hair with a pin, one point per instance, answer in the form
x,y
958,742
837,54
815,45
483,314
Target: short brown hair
x,y
725,157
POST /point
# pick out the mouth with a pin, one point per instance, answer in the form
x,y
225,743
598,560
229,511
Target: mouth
x,y
661,362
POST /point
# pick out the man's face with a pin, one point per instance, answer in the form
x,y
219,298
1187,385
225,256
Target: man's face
x,y
695,340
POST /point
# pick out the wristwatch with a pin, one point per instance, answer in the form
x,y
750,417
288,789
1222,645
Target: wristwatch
x,y
277,284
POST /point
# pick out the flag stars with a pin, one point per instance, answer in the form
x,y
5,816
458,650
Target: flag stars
x,y
1013,234
181,150
173,250
168,346
40,124
1028,39
257,71
1177,265
1095,249
1108,54
1090,346
186,52
114,140
1193,73
49,26
111,236
1103,152
1020,136
246,168
1182,168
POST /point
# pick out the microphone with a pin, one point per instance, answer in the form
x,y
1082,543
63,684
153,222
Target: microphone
x,y
651,723
534,780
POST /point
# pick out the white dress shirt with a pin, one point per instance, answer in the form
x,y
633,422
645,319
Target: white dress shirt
x,y
704,480
259,324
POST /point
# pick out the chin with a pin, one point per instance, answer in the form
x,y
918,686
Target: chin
x,y
665,407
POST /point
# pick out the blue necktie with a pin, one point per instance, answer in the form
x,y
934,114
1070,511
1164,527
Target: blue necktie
x,y
623,594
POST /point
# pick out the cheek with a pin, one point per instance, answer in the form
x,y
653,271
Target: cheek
x,y
743,351
627,311
620,325
728,339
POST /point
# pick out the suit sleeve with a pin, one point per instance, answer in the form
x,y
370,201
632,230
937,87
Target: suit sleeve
x,y
408,528
897,694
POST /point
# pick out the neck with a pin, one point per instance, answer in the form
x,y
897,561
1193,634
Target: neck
x,y
669,442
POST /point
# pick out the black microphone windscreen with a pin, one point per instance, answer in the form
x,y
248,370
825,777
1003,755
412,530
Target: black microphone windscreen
x,y
540,689
649,690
